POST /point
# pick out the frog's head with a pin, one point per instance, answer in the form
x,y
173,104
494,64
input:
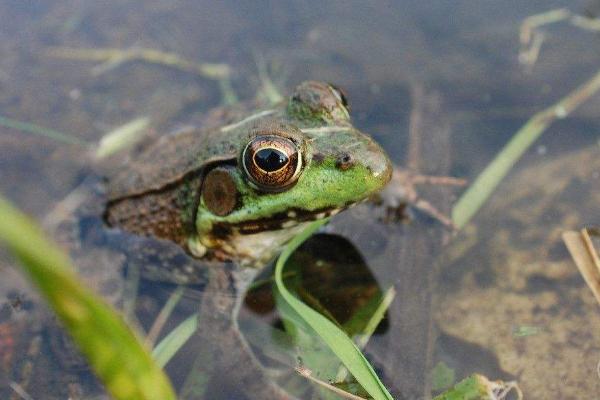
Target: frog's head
x,y
301,162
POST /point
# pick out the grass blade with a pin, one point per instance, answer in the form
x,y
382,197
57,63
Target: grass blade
x,y
112,349
337,340
166,348
487,181
39,130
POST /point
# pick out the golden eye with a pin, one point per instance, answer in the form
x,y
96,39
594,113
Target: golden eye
x,y
271,162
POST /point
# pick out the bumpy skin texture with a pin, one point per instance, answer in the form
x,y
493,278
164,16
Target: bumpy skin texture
x,y
152,215
160,194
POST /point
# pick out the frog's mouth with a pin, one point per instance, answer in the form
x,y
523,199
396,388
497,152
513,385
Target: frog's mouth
x,y
279,221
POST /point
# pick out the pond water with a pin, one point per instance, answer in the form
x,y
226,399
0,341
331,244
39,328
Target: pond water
x,y
438,84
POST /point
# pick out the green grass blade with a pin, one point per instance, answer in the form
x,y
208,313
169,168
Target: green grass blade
x,y
338,341
366,319
363,323
163,316
166,348
112,349
487,181
39,130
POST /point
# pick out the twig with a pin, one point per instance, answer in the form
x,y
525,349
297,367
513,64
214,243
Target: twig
x,y
528,56
18,389
502,390
531,23
111,58
531,38
590,24
307,373
39,130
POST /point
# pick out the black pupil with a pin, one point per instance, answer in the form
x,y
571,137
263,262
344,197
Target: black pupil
x,y
270,159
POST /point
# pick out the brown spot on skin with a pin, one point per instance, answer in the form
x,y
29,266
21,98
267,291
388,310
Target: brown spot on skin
x,y
219,193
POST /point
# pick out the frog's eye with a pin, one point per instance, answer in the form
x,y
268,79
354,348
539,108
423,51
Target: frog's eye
x,y
271,162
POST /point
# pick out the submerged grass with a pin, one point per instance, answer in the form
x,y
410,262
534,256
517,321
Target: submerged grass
x,y
113,350
174,341
487,181
41,131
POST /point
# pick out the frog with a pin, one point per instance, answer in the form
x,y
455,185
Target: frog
x,y
213,207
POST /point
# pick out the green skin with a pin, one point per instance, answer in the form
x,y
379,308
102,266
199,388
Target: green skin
x,y
324,186
340,166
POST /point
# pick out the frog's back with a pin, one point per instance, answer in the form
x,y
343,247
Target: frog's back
x,y
173,157
169,160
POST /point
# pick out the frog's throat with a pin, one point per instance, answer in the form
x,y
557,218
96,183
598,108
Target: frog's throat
x,y
277,222
253,243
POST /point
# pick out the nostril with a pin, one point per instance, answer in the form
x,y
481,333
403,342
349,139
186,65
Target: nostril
x,y
344,162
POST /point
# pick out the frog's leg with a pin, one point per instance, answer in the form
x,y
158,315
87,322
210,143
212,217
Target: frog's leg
x,y
226,351
401,191
110,58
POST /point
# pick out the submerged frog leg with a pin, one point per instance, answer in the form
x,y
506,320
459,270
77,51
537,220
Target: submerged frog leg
x,y
225,353
402,191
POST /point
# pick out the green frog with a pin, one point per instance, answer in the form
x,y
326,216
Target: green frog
x,y
239,192
212,207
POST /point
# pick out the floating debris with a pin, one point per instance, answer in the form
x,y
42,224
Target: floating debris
x,y
122,137
583,248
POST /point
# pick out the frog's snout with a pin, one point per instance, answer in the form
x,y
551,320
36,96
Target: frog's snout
x,y
381,167
377,161
371,156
